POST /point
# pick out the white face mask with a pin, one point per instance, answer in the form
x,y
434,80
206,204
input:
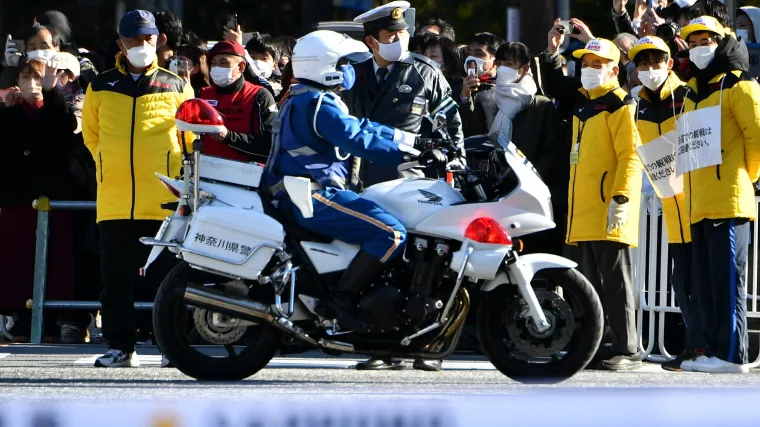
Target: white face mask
x,y
221,76
41,55
393,52
702,56
142,56
592,78
479,66
506,75
743,34
653,79
262,68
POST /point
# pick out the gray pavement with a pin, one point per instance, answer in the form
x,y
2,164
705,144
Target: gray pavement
x,y
58,371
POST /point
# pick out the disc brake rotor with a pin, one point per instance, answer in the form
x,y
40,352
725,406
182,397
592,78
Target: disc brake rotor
x,y
523,333
221,333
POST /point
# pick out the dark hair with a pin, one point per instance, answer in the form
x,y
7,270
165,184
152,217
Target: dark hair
x,y
514,51
264,43
59,21
450,67
286,44
447,30
287,75
198,56
713,8
40,28
652,55
171,26
190,38
490,40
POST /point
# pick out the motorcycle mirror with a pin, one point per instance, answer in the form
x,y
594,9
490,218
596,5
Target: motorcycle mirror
x,y
198,116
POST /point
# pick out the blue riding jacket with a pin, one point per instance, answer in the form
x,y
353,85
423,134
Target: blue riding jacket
x,y
314,137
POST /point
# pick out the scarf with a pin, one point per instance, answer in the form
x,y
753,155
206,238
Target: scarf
x,y
511,98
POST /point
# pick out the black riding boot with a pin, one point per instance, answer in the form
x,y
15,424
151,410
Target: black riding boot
x,y
340,304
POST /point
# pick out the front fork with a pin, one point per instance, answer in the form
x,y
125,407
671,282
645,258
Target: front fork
x,y
532,309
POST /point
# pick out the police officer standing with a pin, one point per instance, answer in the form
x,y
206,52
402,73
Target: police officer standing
x,y
399,89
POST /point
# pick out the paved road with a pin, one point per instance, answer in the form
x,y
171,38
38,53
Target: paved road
x,y
66,372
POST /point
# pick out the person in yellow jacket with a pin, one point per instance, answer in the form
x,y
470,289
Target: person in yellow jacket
x,y
719,188
128,126
604,189
661,101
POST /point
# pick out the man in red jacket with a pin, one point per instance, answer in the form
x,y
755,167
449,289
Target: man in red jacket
x,y
247,109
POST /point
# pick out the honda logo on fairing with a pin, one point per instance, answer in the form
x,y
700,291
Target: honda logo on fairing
x,y
430,198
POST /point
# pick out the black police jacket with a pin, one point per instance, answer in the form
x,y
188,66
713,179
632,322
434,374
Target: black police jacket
x,y
413,89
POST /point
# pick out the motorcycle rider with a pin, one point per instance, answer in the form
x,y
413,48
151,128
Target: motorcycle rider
x,y
313,137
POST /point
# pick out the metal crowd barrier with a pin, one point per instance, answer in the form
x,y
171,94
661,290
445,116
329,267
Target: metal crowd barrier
x,y
653,292
38,302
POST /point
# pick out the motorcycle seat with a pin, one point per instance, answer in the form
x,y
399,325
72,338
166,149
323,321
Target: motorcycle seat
x,y
288,220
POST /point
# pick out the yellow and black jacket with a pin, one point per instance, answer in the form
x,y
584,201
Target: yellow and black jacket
x,y
129,128
726,190
657,116
608,165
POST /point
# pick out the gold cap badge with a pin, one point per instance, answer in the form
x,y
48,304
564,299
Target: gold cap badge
x,y
396,13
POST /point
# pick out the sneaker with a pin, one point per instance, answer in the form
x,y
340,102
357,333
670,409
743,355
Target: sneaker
x,y
688,365
165,363
675,364
622,362
117,359
713,365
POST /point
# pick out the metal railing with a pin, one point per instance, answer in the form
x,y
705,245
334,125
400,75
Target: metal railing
x,y
653,291
38,302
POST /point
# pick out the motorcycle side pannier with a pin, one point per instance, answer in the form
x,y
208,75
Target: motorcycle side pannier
x,y
231,171
230,240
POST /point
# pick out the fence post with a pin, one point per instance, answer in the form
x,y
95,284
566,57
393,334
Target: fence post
x,y
42,205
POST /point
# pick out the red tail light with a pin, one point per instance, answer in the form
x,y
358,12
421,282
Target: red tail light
x,y
487,230
197,115
172,190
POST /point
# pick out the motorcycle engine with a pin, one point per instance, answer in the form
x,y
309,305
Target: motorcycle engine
x,y
385,306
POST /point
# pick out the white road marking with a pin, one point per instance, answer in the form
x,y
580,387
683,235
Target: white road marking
x,y
319,363
4,355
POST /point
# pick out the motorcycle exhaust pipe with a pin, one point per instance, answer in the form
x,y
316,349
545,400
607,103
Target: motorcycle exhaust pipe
x,y
220,303
256,312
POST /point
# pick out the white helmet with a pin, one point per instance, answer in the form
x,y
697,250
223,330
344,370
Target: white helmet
x,y
316,55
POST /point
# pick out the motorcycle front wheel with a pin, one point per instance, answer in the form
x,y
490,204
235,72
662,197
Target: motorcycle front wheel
x,y
235,353
521,352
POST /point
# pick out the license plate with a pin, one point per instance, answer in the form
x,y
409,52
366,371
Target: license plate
x,y
162,230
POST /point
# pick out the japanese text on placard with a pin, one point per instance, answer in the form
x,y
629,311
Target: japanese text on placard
x,y
661,168
693,140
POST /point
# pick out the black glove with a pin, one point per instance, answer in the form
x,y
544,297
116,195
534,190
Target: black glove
x,y
432,157
423,144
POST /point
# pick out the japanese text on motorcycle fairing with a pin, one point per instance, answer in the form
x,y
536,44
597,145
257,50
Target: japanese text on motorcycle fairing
x,y
227,245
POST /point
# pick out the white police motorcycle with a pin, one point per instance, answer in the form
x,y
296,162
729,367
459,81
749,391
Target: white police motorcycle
x,y
250,278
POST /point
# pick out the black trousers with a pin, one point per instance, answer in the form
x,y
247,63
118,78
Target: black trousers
x,y
719,254
680,255
122,256
607,265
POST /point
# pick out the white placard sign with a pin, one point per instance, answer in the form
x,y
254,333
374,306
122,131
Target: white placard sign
x,y
698,140
659,158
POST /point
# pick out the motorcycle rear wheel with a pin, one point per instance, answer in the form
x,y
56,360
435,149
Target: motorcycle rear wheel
x,y
170,318
586,326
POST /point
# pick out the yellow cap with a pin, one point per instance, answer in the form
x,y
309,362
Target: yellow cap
x,y
600,47
648,43
703,23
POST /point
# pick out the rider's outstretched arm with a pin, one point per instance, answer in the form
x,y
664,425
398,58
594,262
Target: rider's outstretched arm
x,y
360,137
